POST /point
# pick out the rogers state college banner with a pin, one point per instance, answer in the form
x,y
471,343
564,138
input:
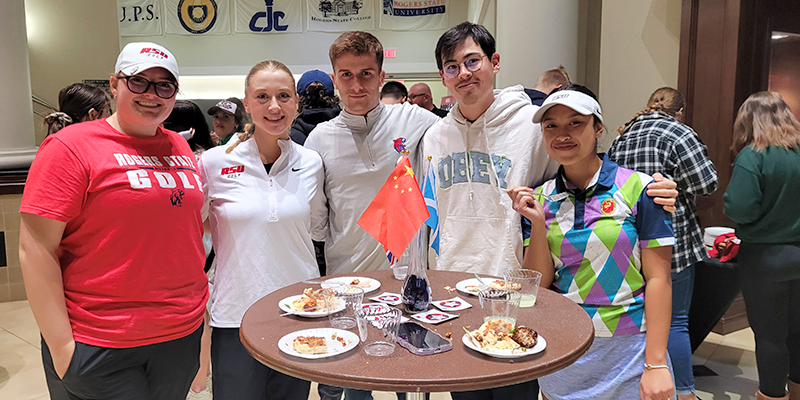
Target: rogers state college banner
x,y
269,16
414,15
139,17
341,15
197,17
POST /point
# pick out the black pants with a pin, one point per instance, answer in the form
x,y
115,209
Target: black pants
x,y
239,376
770,281
521,391
161,371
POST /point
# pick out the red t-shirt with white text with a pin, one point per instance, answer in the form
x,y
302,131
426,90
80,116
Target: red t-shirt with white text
x,y
132,254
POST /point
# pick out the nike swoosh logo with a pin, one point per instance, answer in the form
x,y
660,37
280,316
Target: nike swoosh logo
x,y
296,169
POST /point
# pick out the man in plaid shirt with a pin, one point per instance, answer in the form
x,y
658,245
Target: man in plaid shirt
x,y
656,141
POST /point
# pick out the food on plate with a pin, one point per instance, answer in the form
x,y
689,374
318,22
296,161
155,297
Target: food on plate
x,y
472,289
312,300
499,334
498,284
310,345
341,340
526,337
355,282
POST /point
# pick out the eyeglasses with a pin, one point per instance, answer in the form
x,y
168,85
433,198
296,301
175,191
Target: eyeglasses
x,y
139,85
452,70
413,97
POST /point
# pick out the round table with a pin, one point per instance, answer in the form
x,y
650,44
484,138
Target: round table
x,y
567,329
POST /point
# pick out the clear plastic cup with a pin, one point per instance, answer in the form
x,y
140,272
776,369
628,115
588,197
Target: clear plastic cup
x,y
377,329
342,301
400,272
500,304
526,282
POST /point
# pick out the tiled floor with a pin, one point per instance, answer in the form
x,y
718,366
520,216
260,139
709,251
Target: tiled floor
x,y
22,378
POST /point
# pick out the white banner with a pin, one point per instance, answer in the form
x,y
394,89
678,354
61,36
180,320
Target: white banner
x,y
139,17
417,15
269,16
195,17
341,15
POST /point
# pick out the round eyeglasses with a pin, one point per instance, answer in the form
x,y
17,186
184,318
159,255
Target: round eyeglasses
x,y
139,85
473,64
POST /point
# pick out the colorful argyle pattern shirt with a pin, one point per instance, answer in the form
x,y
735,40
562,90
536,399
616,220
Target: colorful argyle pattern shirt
x,y
595,238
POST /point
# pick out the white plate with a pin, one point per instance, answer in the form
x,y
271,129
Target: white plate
x,y
335,347
506,353
368,284
462,286
286,306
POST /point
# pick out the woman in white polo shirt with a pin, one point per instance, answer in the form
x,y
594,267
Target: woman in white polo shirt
x,y
260,192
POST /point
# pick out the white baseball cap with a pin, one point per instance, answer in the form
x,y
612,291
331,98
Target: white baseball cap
x,y
580,102
140,56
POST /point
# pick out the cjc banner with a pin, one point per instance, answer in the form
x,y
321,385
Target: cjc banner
x,y
195,17
139,17
417,15
341,15
269,16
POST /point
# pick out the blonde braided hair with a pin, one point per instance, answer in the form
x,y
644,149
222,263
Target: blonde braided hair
x,y
269,65
665,100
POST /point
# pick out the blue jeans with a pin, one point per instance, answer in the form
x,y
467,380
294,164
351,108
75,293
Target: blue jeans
x,y
679,346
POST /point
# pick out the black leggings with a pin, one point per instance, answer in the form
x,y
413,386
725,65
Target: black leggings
x,y
770,281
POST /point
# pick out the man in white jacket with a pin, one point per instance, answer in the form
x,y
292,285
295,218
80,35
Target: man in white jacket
x,y
358,155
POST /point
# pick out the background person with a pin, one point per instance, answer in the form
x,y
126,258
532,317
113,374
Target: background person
x,y
656,140
185,116
394,92
78,102
317,104
187,119
548,81
229,118
122,319
613,260
262,237
420,94
762,199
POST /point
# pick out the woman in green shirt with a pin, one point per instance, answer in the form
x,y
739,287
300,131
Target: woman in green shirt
x,y
762,199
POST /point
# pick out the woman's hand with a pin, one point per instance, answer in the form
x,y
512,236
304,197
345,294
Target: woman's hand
x,y
663,192
62,358
526,204
656,384
214,137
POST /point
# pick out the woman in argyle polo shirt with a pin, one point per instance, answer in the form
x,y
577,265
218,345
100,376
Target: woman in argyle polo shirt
x,y
605,244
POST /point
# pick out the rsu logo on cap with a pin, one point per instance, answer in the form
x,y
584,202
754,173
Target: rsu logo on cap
x,y
155,52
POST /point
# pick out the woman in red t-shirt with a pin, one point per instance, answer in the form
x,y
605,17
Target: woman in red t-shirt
x,y
110,244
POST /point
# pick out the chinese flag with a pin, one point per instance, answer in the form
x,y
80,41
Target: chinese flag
x,y
397,211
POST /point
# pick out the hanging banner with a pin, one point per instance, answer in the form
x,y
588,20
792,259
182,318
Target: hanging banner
x,y
139,17
419,15
341,15
195,17
269,16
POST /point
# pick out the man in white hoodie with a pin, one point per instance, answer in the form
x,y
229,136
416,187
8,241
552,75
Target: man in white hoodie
x,y
484,146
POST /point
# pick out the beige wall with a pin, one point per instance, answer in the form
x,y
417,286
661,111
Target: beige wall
x,y
639,49
69,41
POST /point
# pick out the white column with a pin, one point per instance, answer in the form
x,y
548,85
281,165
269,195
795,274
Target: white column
x,y
17,138
534,36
